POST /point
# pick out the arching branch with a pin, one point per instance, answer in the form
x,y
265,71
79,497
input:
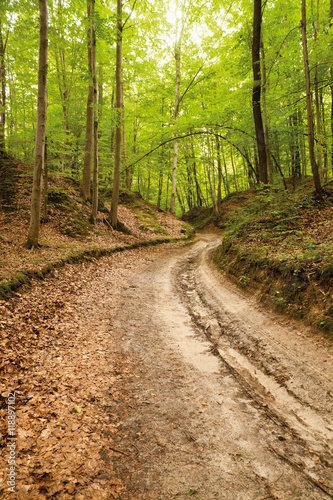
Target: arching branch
x,y
199,132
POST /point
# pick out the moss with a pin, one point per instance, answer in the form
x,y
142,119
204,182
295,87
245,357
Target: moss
x,y
326,324
75,225
59,198
8,287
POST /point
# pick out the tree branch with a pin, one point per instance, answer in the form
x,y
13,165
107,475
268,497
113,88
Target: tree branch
x,y
201,132
188,87
129,15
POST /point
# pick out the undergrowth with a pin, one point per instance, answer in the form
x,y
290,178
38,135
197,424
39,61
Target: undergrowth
x,y
281,243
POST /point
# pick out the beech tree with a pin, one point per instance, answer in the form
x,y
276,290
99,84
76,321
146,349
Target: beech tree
x,y
89,140
40,128
314,165
4,33
113,218
260,137
178,83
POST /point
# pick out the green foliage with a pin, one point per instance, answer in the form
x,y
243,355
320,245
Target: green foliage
x,y
215,87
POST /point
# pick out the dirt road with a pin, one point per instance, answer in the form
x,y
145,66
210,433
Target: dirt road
x,y
185,388
230,403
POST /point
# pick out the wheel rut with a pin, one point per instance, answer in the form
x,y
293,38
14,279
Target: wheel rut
x,y
263,366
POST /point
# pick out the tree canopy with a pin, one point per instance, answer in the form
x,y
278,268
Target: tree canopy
x,y
213,126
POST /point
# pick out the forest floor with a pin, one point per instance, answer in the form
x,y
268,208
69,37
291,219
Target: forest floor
x,y
67,235
147,373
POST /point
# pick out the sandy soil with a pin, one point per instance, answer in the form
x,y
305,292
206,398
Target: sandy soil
x,y
157,378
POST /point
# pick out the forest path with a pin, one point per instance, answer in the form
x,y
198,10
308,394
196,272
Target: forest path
x,y
229,400
147,374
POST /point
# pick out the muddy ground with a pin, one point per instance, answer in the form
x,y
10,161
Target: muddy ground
x,y
149,375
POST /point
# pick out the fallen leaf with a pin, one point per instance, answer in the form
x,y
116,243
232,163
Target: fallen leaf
x,y
76,409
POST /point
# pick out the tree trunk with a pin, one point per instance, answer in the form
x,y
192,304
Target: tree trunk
x,y
46,181
219,169
302,144
64,89
176,113
313,162
128,181
41,127
112,125
324,137
3,44
197,185
148,185
113,218
265,116
86,174
175,144
317,105
94,210
260,137
331,88
233,169
211,175
225,171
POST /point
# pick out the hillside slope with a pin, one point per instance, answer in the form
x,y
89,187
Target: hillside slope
x,y
67,235
279,246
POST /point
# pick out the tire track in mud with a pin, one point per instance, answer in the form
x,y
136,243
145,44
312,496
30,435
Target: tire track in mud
x,y
258,370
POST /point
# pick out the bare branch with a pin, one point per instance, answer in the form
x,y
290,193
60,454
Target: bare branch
x,y
129,15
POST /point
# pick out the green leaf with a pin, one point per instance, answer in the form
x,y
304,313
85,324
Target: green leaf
x,y
76,409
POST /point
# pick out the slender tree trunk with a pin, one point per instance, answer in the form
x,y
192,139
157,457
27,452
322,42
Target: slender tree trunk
x,y
301,143
94,210
181,203
197,185
41,127
324,137
113,121
148,185
233,169
313,162
160,188
219,169
46,181
211,176
3,44
64,89
225,170
100,96
176,113
128,181
331,88
317,105
175,144
86,174
265,117
260,136
160,179
117,163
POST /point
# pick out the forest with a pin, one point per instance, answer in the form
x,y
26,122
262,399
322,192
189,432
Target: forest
x,y
183,102
166,259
